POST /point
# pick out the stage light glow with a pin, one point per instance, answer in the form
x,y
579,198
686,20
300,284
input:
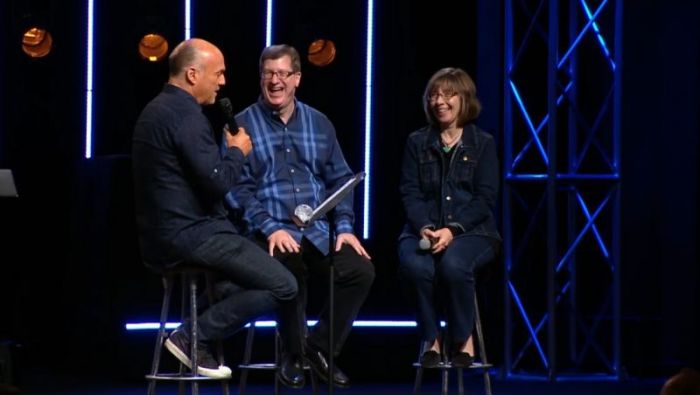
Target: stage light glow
x,y
321,52
141,326
153,47
37,42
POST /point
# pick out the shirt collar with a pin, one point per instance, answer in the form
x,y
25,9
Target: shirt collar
x,y
274,114
181,93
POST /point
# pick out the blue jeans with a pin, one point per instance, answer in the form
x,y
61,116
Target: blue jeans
x,y
257,284
444,283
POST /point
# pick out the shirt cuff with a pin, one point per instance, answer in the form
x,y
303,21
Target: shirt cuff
x,y
269,227
455,228
343,226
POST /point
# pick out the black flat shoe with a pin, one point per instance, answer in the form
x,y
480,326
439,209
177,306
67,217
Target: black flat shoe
x,y
462,360
318,362
430,359
291,372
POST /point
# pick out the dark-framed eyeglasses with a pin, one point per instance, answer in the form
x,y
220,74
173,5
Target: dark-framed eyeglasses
x,y
281,74
433,97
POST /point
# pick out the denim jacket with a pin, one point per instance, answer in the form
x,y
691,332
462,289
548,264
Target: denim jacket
x,y
464,196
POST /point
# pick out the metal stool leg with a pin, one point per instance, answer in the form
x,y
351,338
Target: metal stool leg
x,y
193,331
246,358
445,381
460,381
209,285
482,349
188,315
167,291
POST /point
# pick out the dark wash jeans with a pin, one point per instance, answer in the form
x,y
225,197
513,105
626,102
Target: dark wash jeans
x,y
255,284
444,282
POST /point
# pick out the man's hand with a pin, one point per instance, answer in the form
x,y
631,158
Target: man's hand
x,y
240,140
351,240
283,241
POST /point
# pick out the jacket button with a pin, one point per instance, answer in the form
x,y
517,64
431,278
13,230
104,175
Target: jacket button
x,y
464,158
448,198
449,216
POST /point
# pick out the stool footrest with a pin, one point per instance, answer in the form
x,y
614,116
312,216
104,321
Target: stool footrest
x,y
447,365
179,377
258,366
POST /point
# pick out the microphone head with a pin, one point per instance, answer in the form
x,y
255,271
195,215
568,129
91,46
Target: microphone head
x,y
424,244
303,212
226,107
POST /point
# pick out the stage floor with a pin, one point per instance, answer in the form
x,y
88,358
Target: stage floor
x,y
47,385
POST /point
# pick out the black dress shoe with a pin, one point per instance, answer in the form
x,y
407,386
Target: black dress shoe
x,y
291,371
319,364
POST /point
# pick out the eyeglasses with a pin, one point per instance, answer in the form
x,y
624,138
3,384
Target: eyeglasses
x,y
281,74
445,96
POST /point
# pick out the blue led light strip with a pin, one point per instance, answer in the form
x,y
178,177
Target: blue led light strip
x,y
268,23
601,40
528,324
368,118
528,120
188,19
141,326
88,84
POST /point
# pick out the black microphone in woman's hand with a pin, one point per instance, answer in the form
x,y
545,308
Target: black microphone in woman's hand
x,y
227,109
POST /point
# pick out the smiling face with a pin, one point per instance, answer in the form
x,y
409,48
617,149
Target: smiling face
x,y
450,99
278,84
446,106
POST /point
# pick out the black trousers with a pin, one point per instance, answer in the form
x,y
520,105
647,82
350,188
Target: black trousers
x,y
353,278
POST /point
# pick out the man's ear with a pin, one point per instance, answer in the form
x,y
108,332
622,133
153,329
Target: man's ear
x,y
191,75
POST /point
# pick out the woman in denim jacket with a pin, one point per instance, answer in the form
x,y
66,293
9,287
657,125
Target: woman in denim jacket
x,y
449,183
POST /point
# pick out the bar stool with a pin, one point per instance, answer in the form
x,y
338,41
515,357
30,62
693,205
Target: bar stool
x,y
247,366
188,277
446,367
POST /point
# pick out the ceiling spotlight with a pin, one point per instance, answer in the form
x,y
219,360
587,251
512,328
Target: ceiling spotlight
x,y
153,47
37,42
321,52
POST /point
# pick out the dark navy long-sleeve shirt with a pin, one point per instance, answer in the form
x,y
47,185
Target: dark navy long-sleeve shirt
x,y
180,177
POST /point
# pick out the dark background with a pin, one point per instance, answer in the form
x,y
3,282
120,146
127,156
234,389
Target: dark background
x,y
70,275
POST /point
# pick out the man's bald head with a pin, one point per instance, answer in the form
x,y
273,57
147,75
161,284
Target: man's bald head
x,y
190,53
197,66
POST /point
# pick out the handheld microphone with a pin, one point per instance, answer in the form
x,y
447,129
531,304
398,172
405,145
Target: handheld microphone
x,y
425,244
227,109
303,212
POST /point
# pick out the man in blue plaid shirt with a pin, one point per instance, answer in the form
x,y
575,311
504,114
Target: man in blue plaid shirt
x,y
297,160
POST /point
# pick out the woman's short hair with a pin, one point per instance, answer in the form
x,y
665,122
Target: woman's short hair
x,y
453,80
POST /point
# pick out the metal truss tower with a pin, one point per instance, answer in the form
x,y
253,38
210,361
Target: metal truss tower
x,y
562,188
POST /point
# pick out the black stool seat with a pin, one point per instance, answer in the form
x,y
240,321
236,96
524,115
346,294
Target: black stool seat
x,y
189,278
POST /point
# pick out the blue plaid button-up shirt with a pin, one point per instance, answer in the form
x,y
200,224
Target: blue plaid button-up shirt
x,y
293,164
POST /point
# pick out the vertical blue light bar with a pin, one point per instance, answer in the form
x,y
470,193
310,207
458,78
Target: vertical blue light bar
x,y
268,24
88,85
188,19
368,119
